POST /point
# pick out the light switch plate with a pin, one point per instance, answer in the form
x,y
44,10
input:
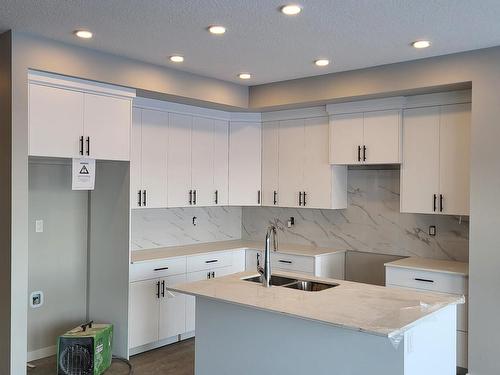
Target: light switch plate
x,y
39,226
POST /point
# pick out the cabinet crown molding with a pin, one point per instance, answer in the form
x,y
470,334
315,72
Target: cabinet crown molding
x,y
397,102
78,84
294,114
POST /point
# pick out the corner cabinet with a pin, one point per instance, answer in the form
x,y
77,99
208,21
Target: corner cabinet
x,y
73,118
436,155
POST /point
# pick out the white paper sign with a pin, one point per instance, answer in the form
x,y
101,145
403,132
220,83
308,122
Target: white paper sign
x,y
83,174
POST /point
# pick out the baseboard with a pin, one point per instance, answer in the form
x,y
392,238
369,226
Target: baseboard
x,y
42,353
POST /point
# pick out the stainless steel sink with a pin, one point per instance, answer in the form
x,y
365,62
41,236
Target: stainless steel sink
x,y
275,280
310,286
287,282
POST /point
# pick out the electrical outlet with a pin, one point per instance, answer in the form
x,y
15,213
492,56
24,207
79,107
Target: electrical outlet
x,y
291,222
432,230
195,220
39,226
36,299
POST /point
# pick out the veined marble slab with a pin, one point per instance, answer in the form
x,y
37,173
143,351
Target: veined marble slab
x,y
361,307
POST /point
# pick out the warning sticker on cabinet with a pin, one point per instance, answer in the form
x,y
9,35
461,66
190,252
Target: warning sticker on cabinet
x,y
83,174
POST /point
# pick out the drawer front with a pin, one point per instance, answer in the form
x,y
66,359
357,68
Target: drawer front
x,y
157,268
462,349
425,280
209,261
288,262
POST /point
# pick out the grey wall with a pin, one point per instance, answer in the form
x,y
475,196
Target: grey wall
x,y
58,256
5,191
173,226
371,223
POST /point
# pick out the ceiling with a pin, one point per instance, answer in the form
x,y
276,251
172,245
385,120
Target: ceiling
x,y
259,39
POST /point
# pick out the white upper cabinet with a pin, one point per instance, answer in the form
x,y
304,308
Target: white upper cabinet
x,y
436,155
244,163
221,162
270,179
202,161
75,118
366,132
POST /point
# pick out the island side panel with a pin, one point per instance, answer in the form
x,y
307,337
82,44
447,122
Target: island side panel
x,y
232,339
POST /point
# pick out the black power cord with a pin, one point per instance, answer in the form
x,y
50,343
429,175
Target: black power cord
x,y
127,362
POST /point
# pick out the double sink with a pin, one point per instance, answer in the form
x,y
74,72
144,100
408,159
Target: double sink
x,y
287,282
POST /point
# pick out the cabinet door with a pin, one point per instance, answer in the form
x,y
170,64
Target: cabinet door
x,y
179,160
244,163
382,137
420,167
346,135
270,145
107,126
291,162
221,162
144,310
172,309
136,159
454,158
317,171
154,157
55,121
191,301
202,163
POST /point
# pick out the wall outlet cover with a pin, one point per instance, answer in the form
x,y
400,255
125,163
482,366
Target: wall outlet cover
x,y
39,226
36,299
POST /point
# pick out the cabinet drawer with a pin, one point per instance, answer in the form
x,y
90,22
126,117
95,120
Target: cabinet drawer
x,y
462,349
426,280
157,268
209,261
292,263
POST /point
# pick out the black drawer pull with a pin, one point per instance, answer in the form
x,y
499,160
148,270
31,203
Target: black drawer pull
x,y
158,289
212,261
161,269
285,261
424,280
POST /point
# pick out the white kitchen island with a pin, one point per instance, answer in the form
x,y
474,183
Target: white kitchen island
x,y
351,329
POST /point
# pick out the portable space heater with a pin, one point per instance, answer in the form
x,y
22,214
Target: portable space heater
x,y
85,350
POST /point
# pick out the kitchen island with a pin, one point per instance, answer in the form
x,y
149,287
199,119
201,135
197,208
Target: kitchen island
x,y
350,328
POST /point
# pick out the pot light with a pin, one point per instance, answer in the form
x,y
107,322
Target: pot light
x,y
177,58
291,9
217,29
322,62
244,75
421,44
84,34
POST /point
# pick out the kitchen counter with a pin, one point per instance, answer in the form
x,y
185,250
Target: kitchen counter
x,y
360,307
176,251
425,264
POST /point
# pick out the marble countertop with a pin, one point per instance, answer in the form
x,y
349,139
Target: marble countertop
x,y
176,251
433,265
362,307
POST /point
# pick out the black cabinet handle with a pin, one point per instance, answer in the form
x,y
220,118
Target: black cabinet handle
x,y
190,197
440,202
144,198
88,145
158,289
216,197
211,261
81,145
275,197
364,153
139,201
163,288
359,153
213,274
304,201
194,197
434,208
285,261
160,269
424,280
258,196
300,198
208,275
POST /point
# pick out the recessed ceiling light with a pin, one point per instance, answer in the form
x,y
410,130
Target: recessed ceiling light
x,y
244,75
84,34
421,44
177,58
291,9
322,62
217,29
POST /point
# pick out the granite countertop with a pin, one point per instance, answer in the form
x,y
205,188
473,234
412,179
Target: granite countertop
x,y
186,250
433,265
367,308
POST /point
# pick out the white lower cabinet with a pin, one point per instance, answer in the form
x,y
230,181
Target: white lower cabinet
x,y
172,309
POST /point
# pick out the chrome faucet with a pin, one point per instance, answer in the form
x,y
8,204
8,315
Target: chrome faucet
x,y
265,271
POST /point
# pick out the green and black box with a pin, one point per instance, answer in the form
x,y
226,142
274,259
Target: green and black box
x,y
85,350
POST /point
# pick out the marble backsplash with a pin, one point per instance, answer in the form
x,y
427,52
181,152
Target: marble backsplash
x,y
151,228
371,223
